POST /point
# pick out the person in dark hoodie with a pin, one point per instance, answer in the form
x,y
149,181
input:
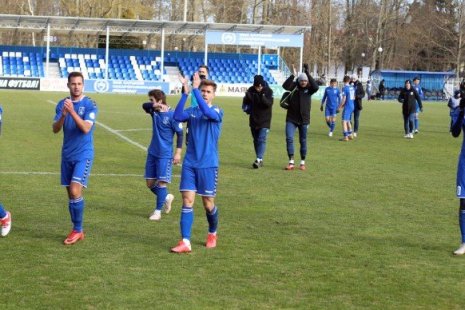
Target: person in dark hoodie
x,y
298,113
257,103
457,126
409,97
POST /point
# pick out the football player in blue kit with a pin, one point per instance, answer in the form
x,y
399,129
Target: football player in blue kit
x,y
417,87
457,126
76,115
332,98
347,104
200,166
160,151
5,221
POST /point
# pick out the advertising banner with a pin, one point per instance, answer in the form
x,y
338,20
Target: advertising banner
x,y
19,83
124,87
270,40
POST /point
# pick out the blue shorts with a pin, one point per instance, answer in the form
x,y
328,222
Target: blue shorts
x,y
347,114
75,171
158,168
461,177
330,111
203,181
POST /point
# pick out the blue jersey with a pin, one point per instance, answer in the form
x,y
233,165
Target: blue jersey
x,y
204,124
418,90
332,96
348,91
164,126
76,144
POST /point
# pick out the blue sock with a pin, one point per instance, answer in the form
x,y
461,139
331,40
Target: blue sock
x,y
416,122
161,193
331,126
2,212
76,207
345,133
187,219
212,218
462,224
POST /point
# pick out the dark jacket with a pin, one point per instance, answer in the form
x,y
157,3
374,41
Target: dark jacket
x,y
258,106
359,94
300,102
407,97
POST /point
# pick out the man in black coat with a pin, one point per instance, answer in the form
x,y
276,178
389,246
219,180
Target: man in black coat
x,y
298,113
258,102
359,94
409,97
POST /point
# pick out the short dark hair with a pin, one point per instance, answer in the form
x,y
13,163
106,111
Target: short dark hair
x,y
416,79
158,95
206,67
346,79
333,81
75,74
208,83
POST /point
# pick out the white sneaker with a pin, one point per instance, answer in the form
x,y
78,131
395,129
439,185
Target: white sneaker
x,y
355,135
411,135
417,131
407,136
155,216
330,134
460,250
6,224
168,200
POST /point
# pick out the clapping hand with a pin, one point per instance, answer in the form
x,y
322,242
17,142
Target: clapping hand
x,y
196,81
183,81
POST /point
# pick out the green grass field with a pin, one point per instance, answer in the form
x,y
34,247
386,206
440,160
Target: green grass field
x,y
371,223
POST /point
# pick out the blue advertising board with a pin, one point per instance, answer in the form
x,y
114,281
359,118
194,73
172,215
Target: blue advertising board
x,y
270,40
124,87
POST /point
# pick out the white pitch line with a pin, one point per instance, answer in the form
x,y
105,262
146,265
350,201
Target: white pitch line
x,y
134,129
115,132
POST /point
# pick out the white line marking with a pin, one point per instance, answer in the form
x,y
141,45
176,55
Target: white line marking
x,y
115,132
134,129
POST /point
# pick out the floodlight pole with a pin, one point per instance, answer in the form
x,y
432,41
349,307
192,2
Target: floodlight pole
x,y
107,51
301,58
185,10
47,59
162,66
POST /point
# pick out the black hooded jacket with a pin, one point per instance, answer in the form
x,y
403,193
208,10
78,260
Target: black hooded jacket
x,y
408,98
300,102
260,107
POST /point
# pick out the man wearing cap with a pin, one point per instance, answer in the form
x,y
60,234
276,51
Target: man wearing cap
x,y
298,113
258,102
359,94
417,87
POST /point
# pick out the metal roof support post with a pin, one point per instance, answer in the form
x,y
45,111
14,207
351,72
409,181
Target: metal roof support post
x,y
205,56
107,52
47,59
301,58
162,54
259,60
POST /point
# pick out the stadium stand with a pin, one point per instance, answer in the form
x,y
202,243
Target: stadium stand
x,y
19,61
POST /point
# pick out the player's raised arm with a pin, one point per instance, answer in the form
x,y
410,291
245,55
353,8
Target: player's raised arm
x,y
205,99
179,114
59,119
